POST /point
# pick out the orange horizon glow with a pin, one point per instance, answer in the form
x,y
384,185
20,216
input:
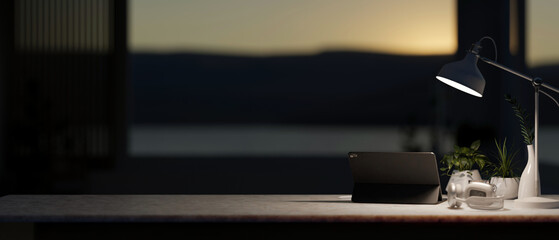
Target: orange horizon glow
x,y
542,33
260,27
302,27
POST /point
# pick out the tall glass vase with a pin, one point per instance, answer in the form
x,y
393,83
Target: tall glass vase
x,y
529,185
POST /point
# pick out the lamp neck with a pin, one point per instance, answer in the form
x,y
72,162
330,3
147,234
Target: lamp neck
x,y
471,56
475,48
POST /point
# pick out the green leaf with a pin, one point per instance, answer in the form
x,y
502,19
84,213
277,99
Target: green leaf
x,y
464,158
475,145
520,113
504,167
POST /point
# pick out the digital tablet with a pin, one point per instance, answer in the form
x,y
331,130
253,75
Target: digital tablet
x,y
395,177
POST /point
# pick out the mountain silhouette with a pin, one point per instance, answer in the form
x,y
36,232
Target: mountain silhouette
x,y
333,88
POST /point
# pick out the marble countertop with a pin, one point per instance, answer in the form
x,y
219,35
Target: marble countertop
x,y
245,208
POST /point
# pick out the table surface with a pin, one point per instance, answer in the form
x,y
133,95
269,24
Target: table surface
x,y
246,208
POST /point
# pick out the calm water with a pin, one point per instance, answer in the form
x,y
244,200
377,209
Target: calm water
x,y
296,140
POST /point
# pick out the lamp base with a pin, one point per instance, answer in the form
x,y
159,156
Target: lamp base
x,y
542,202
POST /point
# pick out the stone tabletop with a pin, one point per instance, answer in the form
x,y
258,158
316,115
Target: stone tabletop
x,y
245,208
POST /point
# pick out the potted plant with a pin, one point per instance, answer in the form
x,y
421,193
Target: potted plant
x,y
528,178
460,165
504,177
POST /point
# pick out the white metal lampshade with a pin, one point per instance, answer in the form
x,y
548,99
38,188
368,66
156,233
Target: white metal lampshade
x,y
463,75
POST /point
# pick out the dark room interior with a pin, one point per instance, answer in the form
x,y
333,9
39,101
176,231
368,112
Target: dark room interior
x,y
114,107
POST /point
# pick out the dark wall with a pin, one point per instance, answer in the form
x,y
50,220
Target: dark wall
x,y
64,112
490,116
6,56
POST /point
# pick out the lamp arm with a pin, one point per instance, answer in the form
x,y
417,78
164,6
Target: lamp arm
x,y
549,96
552,88
503,67
526,77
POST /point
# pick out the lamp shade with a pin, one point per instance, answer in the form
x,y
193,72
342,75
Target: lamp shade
x,y
463,75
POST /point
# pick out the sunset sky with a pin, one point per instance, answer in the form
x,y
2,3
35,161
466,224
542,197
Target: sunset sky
x,y
271,27
542,32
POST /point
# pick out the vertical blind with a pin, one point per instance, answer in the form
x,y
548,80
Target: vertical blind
x,y
63,100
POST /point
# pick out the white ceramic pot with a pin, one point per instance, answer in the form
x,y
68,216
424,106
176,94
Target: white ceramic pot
x,y
463,177
529,185
506,187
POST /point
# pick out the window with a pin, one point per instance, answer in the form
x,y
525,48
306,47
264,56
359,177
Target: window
x,y
542,33
285,78
542,59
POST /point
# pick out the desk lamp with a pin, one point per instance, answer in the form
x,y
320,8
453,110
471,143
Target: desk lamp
x,y
465,76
